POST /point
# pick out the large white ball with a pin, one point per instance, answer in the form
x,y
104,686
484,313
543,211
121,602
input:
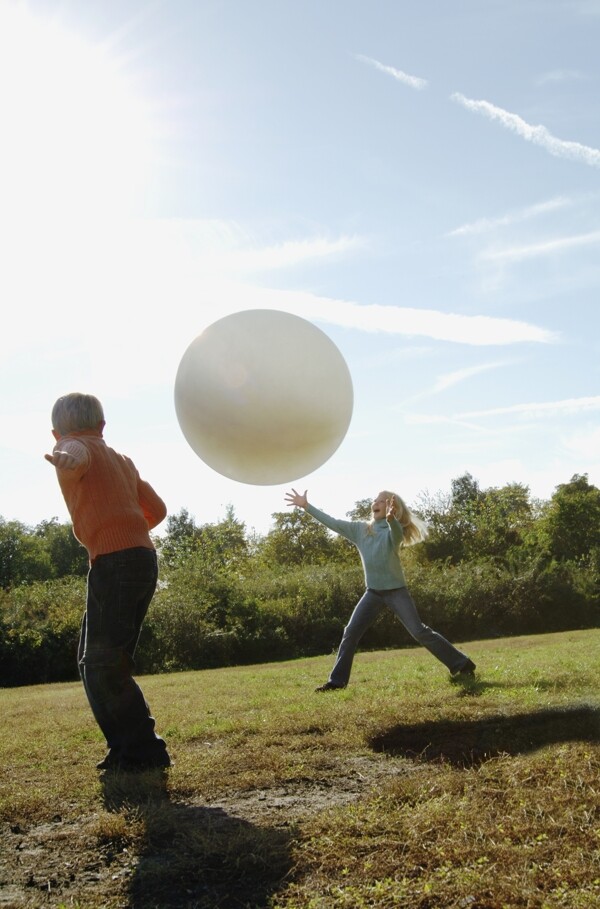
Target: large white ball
x,y
263,397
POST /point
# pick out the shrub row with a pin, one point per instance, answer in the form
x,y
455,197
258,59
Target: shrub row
x,y
202,617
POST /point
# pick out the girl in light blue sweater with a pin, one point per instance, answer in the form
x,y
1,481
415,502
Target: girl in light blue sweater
x,y
379,542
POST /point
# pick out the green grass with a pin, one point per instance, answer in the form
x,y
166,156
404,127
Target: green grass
x,y
405,789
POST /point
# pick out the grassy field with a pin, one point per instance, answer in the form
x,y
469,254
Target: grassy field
x,y
404,790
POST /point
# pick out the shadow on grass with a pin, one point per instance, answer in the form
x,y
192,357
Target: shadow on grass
x,y
473,687
467,743
195,857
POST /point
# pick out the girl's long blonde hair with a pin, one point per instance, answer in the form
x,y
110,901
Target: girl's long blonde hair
x,y
415,530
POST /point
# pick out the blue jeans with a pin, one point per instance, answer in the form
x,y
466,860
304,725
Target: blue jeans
x,y
401,603
119,590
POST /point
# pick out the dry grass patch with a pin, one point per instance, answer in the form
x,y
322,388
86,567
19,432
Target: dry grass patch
x,y
511,832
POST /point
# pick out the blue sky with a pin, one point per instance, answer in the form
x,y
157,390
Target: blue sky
x,y
420,180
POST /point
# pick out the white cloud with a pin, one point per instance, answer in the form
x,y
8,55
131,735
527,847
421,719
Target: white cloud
x,y
547,248
479,331
460,375
221,295
430,323
164,283
413,81
521,417
483,225
224,247
291,253
442,383
538,135
426,419
539,410
559,75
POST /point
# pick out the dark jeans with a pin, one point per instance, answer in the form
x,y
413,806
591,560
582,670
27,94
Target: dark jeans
x,y
401,603
119,590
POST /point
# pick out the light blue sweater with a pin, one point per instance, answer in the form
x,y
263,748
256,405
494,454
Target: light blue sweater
x,y
378,548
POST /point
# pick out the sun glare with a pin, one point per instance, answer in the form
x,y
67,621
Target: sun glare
x,y
77,138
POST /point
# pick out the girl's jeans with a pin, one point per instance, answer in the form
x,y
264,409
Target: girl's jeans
x,y
401,603
119,590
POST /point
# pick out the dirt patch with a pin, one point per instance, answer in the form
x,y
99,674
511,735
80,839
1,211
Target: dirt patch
x,y
230,853
285,804
62,857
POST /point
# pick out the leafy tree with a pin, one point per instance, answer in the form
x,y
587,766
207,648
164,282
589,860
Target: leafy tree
x,y
502,518
452,519
226,539
466,494
180,538
361,510
67,556
23,557
222,543
472,523
570,525
296,539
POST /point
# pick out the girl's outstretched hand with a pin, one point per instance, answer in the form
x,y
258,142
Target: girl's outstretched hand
x,y
390,508
294,498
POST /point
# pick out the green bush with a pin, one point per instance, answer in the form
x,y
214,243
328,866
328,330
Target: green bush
x,y
39,626
487,599
198,621
205,616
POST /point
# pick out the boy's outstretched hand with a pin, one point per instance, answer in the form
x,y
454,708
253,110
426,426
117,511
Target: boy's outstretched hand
x,y
62,459
294,498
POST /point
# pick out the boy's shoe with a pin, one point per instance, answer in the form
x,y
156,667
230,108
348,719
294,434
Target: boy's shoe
x,y
329,686
466,671
109,762
113,762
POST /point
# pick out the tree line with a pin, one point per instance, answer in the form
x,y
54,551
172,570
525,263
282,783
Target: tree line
x,y
496,562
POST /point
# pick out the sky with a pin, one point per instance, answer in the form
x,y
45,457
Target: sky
x,y
421,181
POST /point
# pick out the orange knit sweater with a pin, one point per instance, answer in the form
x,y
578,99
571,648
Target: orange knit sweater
x,y
110,506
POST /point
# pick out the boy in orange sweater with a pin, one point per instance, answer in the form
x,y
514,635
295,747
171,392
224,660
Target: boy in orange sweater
x,y
112,510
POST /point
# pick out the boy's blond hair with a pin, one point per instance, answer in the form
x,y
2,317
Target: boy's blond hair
x,y
75,412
